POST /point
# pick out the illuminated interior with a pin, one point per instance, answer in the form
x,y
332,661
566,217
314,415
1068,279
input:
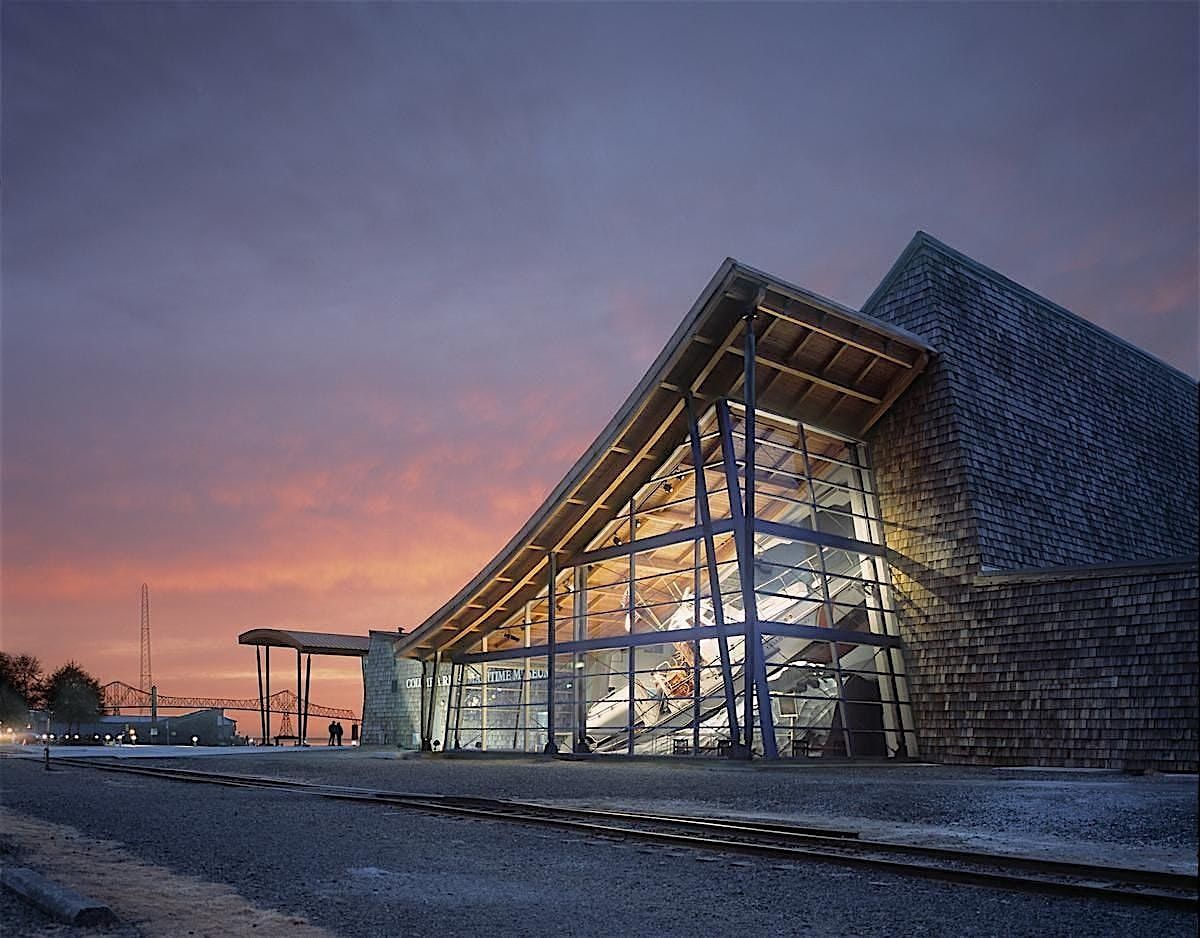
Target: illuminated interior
x,y
640,635
681,592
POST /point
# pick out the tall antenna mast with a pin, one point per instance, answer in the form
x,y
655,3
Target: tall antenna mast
x,y
146,681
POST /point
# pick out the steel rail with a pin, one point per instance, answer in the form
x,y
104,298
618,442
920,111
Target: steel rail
x,y
761,838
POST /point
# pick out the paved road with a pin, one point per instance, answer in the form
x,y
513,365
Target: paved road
x,y
363,871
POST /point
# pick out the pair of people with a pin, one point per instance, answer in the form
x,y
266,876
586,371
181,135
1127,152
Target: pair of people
x,y
335,734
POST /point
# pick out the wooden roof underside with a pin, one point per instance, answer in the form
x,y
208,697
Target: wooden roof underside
x,y
817,362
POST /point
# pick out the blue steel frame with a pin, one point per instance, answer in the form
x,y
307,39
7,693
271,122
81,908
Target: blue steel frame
x,y
743,524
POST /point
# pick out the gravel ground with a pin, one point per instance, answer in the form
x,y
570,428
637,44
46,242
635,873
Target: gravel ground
x,y
358,870
1157,811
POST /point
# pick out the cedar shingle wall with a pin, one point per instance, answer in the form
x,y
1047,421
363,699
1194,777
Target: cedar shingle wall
x,y
1077,448
1082,671
1034,440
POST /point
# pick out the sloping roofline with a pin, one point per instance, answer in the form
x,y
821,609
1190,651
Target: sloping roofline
x,y
922,239
744,286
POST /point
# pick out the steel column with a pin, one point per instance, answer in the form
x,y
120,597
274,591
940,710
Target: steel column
x,y
433,696
526,684
299,700
552,564
758,674
424,743
714,577
262,704
579,661
267,655
307,694
695,644
630,652
753,664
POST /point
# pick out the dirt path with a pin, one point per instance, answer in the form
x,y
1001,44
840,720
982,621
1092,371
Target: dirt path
x,y
153,899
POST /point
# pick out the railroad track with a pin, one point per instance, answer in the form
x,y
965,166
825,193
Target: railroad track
x,y
770,839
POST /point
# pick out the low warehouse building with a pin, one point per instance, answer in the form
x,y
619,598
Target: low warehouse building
x,y
959,525
208,727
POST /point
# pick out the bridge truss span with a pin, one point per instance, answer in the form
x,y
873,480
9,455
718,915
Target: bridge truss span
x,y
117,695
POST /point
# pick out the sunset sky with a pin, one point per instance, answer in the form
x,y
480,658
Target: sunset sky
x,y
307,307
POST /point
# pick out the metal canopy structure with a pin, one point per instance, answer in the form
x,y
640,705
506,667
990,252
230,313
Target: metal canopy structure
x,y
305,644
308,643
811,358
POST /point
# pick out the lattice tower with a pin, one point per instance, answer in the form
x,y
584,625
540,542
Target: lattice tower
x,y
147,680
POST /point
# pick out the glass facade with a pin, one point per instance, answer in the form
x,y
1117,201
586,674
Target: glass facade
x,y
706,620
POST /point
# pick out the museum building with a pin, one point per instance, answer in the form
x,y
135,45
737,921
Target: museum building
x,y
959,525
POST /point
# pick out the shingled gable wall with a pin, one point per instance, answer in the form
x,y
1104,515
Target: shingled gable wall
x,y
1034,441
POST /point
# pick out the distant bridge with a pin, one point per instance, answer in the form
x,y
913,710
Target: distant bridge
x,y
116,695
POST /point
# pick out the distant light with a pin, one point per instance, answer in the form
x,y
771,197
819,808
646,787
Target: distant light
x,y
107,738
579,664
76,735
195,739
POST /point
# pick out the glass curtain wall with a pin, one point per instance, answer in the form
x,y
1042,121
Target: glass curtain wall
x,y
648,652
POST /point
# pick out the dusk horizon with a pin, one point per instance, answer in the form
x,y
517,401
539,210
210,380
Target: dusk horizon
x,y
308,308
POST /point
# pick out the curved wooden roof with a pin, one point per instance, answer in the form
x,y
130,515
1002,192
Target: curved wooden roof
x,y
818,362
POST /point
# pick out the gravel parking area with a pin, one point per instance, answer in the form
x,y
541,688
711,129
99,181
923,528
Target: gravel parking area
x,y
362,870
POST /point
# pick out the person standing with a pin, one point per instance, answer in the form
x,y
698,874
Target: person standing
x,y
337,733
332,733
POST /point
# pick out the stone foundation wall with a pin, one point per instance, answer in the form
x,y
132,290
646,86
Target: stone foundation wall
x,y
391,709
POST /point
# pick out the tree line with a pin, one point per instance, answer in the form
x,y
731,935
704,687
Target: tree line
x,y
70,693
